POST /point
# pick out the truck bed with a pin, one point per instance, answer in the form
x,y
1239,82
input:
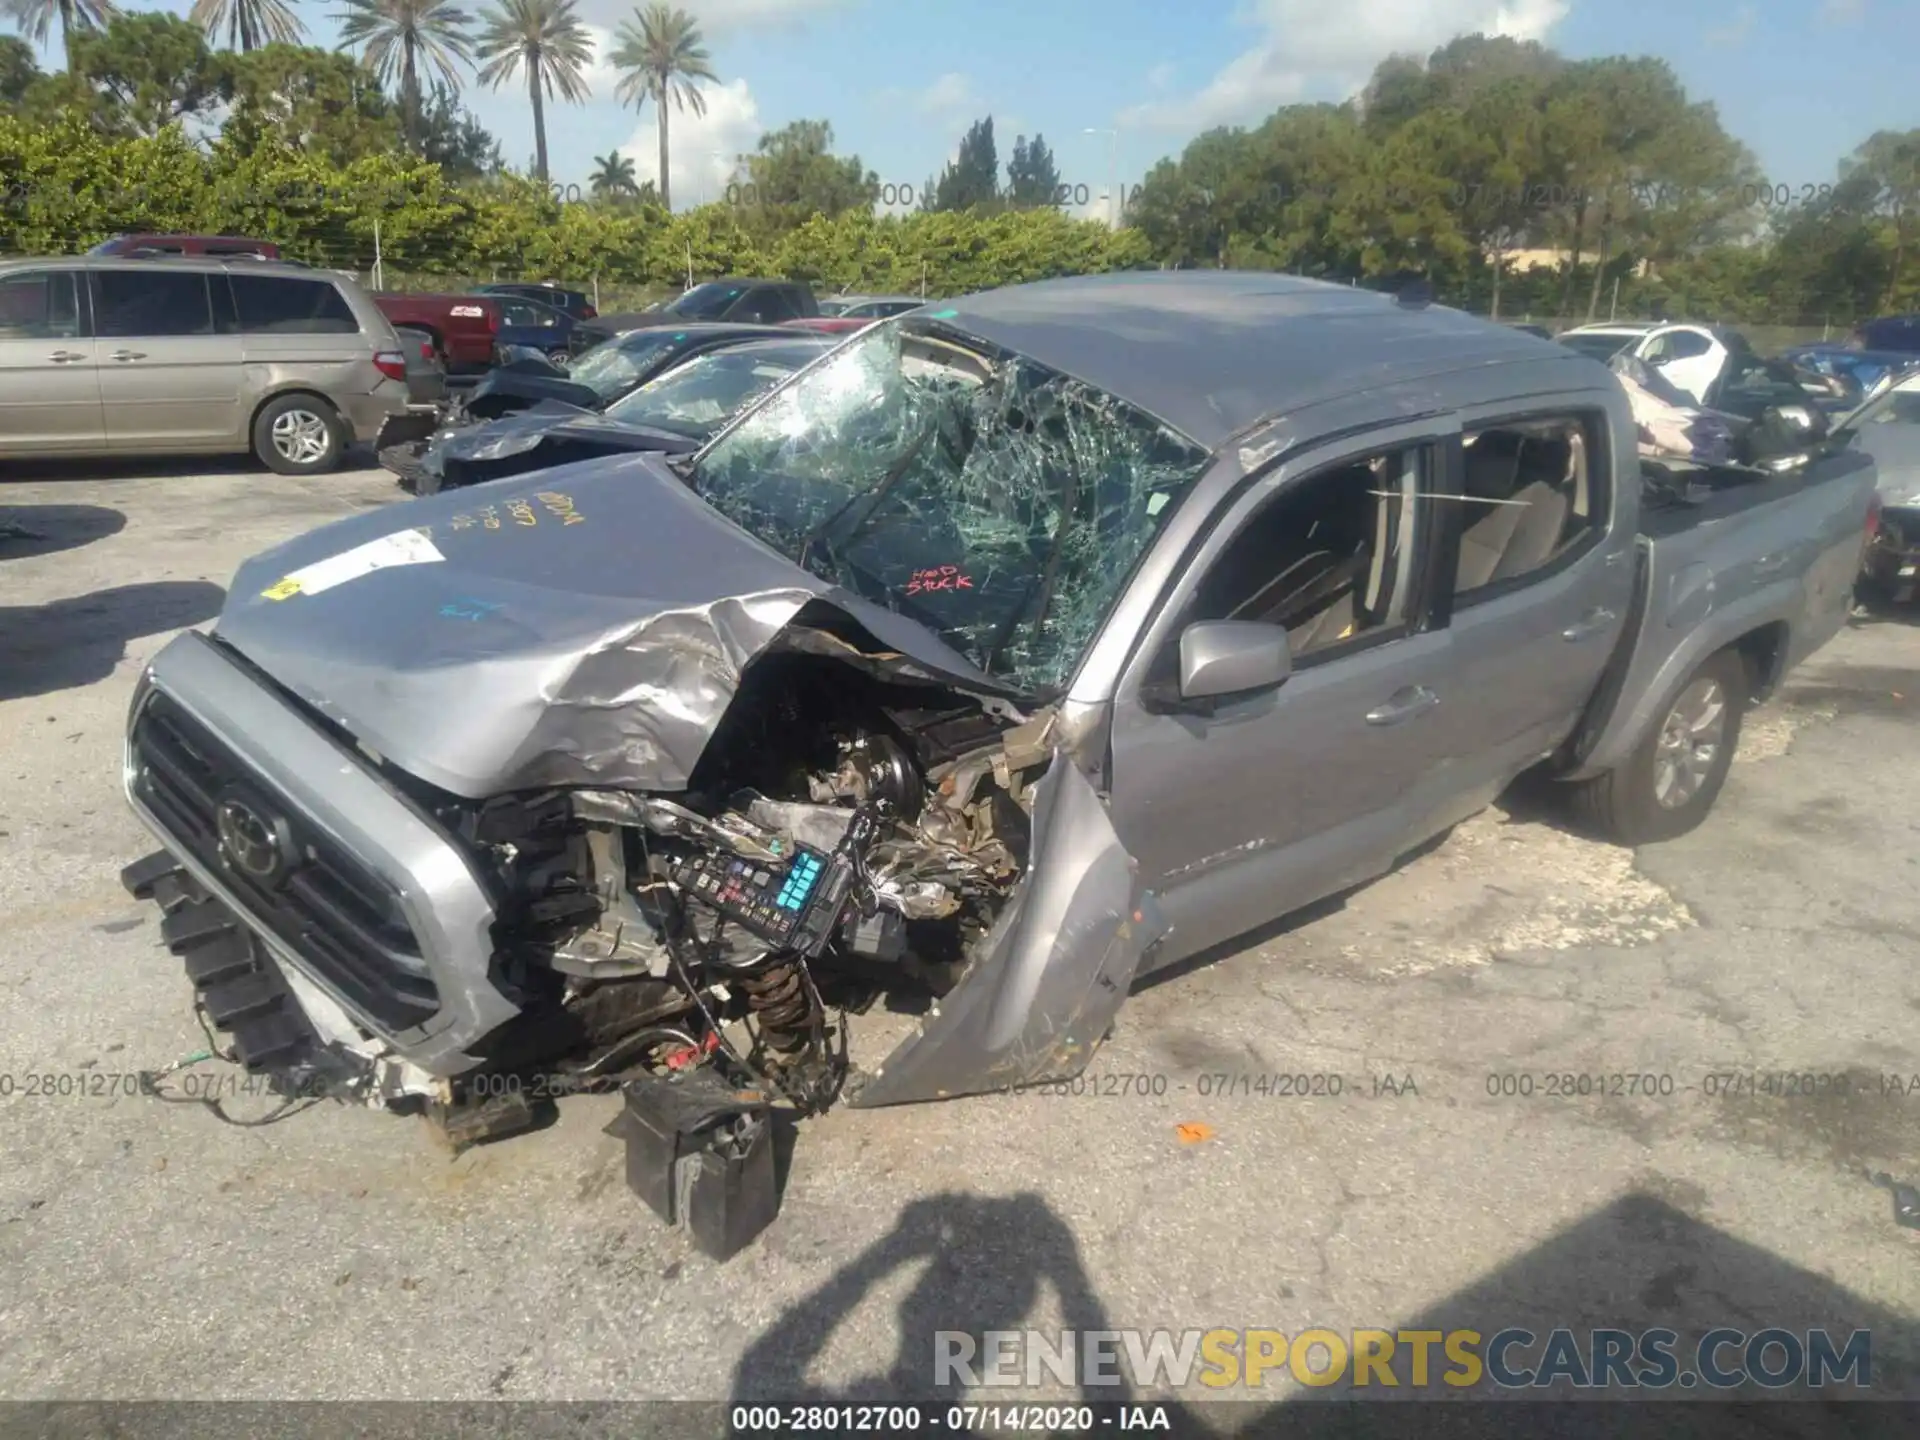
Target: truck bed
x,y
1764,561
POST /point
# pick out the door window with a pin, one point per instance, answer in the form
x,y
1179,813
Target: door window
x,y
274,305
1685,345
39,305
1533,495
150,302
1330,558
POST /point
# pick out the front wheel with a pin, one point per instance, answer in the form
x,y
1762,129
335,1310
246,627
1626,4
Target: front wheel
x,y
299,435
1668,784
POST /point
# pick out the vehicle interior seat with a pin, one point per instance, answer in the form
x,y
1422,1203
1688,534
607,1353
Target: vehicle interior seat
x,y
1546,475
1529,485
1313,592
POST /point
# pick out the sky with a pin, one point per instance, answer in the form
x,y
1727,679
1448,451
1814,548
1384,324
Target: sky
x,y
1114,85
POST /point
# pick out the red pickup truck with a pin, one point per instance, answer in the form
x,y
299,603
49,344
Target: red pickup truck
x,y
463,327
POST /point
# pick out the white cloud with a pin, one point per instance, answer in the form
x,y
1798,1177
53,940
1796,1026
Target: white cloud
x,y
701,149
1735,31
1309,48
600,76
951,92
1161,77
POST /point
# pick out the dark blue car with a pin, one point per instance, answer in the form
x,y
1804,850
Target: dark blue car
x,y
539,326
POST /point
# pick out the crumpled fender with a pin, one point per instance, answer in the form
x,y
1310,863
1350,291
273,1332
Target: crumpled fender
x,y
1051,974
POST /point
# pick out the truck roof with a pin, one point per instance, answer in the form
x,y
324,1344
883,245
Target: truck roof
x,y
1214,352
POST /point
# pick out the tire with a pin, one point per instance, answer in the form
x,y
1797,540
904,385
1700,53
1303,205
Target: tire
x,y
1668,784
299,435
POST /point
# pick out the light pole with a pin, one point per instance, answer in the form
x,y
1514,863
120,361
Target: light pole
x,y
1113,157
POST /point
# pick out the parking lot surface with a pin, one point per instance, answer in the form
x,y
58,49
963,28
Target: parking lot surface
x,y
149,1251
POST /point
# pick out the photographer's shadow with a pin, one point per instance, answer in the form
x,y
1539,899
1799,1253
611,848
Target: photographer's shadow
x,y
987,1263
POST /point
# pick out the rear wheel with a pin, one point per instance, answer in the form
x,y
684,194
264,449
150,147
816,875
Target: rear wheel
x,y
1668,784
299,435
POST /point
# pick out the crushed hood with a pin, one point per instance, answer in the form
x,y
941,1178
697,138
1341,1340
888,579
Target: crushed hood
x,y
580,626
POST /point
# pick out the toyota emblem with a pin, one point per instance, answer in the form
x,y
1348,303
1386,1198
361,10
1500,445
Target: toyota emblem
x,y
251,842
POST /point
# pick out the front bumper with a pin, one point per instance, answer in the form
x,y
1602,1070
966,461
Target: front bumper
x,y
354,891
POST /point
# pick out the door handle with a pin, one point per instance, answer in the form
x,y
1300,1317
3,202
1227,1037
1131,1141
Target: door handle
x,y
62,357
129,354
1403,705
1594,622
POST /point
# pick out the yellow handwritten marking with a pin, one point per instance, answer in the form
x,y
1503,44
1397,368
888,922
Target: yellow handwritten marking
x,y
522,513
561,506
490,517
281,591
462,522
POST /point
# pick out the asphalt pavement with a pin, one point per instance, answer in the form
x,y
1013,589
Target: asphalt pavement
x,y
1435,1175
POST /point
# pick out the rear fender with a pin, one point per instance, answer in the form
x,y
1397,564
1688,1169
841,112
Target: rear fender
x,y
1050,976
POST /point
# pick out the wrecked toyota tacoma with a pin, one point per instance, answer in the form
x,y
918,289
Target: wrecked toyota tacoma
x,y
1008,652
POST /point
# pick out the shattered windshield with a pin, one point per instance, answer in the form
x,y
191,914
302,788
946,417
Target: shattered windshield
x,y
997,502
704,302
614,367
699,397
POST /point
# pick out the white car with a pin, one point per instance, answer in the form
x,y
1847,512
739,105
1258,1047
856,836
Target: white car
x,y
1690,356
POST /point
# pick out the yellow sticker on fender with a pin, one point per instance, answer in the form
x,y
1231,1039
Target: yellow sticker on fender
x,y
281,591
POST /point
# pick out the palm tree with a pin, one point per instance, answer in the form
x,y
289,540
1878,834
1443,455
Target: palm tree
x,y
35,18
249,24
613,175
548,39
396,36
660,57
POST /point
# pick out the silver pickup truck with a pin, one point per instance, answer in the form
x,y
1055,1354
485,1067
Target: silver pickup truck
x,y
1012,650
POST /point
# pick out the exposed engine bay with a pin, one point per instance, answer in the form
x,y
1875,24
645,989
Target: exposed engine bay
x,y
842,836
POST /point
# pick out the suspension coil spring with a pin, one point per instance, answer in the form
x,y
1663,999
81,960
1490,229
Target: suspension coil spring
x,y
779,1000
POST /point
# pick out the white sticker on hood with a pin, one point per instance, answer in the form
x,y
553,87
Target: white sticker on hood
x,y
408,547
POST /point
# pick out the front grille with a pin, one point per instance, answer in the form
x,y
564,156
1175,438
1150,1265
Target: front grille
x,y
328,907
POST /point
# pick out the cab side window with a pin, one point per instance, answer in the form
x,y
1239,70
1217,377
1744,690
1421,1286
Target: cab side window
x,y
1533,493
1331,557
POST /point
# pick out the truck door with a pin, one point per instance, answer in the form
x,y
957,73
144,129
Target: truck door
x,y
1534,585
1244,809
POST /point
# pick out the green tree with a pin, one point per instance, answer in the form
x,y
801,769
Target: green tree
x,y
794,173
36,19
18,70
451,138
249,24
973,179
660,54
1032,178
149,71
319,101
1885,174
547,40
613,176
397,39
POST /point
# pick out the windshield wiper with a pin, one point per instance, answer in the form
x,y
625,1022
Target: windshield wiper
x,y
877,494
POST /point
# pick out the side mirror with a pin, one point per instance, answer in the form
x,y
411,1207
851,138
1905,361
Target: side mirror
x,y
1232,657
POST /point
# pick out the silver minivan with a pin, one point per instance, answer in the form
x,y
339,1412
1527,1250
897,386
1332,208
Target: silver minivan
x,y
118,356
